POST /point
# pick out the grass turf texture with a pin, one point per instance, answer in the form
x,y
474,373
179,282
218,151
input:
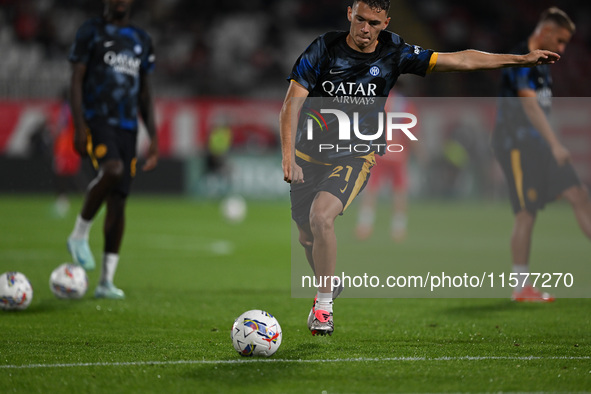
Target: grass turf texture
x,y
187,275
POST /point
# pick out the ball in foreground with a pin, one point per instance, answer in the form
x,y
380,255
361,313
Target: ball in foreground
x,y
256,333
234,208
68,281
16,292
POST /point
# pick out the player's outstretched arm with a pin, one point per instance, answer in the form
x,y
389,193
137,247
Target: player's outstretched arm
x,y
294,99
472,60
147,111
80,136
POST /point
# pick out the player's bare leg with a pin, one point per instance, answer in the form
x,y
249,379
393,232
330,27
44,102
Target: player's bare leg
x,y
323,213
520,250
110,174
113,233
307,241
521,237
114,222
578,197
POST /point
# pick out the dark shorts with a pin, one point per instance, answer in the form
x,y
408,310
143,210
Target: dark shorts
x,y
533,175
113,143
344,179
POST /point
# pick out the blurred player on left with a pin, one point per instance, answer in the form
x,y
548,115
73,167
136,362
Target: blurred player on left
x,y
111,62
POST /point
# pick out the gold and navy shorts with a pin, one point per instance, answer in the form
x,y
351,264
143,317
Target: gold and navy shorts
x,y
344,179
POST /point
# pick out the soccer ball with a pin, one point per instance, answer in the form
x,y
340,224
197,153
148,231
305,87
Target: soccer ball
x,y
16,292
256,333
68,281
234,209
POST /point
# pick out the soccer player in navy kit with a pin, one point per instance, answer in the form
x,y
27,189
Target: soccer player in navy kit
x,y
363,63
111,61
536,165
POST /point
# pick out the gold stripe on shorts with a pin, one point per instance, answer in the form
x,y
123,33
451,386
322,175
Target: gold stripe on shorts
x,y
90,150
370,161
310,159
518,175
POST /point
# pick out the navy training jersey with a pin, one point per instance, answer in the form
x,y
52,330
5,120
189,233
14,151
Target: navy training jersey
x,y
330,69
115,57
513,125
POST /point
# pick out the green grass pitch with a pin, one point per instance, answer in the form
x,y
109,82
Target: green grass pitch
x,y
187,274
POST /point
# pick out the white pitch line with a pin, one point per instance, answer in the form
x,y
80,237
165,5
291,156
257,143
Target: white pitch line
x,y
283,360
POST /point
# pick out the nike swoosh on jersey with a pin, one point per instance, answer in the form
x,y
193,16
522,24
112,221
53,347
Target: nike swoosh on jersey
x,y
331,71
345,188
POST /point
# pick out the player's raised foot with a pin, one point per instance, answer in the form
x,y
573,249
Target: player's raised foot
x,y
108,290
81,253
531,294
320,321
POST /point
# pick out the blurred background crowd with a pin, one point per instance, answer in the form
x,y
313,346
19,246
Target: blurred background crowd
x,y
221,69
247,48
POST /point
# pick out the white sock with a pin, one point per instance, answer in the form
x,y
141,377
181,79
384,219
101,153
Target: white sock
x,y
324,301
366,216
520,269
81,228
110,261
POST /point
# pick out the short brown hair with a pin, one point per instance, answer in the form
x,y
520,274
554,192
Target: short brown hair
x,y
376,4
559,17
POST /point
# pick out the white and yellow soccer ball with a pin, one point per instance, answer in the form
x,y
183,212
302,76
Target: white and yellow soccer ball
x,y
16,292
256,333
68,281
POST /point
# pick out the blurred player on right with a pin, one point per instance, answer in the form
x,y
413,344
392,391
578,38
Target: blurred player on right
x,y
537,166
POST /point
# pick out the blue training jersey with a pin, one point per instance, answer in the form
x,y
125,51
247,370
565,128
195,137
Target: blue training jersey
x,y
513,125
115,58
336,74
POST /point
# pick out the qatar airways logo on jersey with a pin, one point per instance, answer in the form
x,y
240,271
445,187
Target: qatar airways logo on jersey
x,y
123,63
349,89
388,123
